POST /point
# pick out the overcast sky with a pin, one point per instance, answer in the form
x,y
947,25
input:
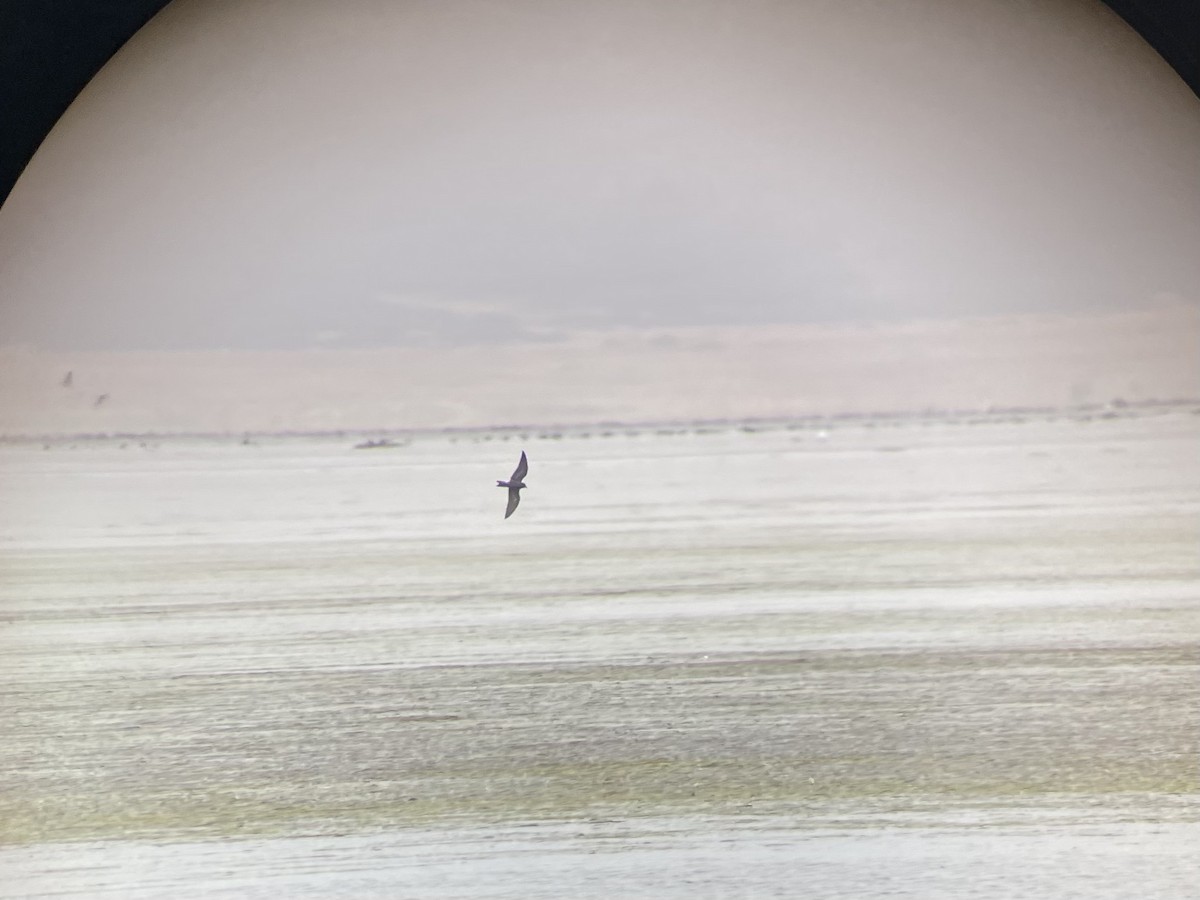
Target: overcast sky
x,y
297,173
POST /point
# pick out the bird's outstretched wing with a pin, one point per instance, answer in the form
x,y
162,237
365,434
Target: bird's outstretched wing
x,y
514,497
520,472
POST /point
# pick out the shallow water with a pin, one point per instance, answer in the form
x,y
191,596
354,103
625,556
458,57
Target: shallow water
x,y
886,660
655,858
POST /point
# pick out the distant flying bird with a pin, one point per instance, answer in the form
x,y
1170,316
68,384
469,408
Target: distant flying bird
x,y
515,484
67,379
100,399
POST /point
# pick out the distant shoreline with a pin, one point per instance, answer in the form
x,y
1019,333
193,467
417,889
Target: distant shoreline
x,y
683,375
1084,412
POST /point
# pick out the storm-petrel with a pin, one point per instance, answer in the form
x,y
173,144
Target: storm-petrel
x,y
515,484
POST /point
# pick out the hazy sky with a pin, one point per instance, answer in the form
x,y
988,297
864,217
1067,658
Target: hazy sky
x,y
297,173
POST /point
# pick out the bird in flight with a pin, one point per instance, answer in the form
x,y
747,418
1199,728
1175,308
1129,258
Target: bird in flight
x,y
515,484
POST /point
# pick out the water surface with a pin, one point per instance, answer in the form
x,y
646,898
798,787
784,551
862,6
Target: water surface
x,y
883,659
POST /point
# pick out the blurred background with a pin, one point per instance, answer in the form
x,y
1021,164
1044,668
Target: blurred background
x,y
269,215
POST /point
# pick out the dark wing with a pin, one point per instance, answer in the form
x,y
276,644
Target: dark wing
x,y
514,497
519,473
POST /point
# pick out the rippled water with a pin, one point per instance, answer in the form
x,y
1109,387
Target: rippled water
x,y
893,659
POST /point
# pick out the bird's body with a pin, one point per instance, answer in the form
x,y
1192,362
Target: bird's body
x,y
514,485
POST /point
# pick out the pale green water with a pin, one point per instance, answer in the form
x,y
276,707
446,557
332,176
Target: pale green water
x,y
689,662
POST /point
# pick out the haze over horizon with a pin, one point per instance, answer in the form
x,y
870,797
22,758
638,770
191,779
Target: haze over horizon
x,y
271,175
